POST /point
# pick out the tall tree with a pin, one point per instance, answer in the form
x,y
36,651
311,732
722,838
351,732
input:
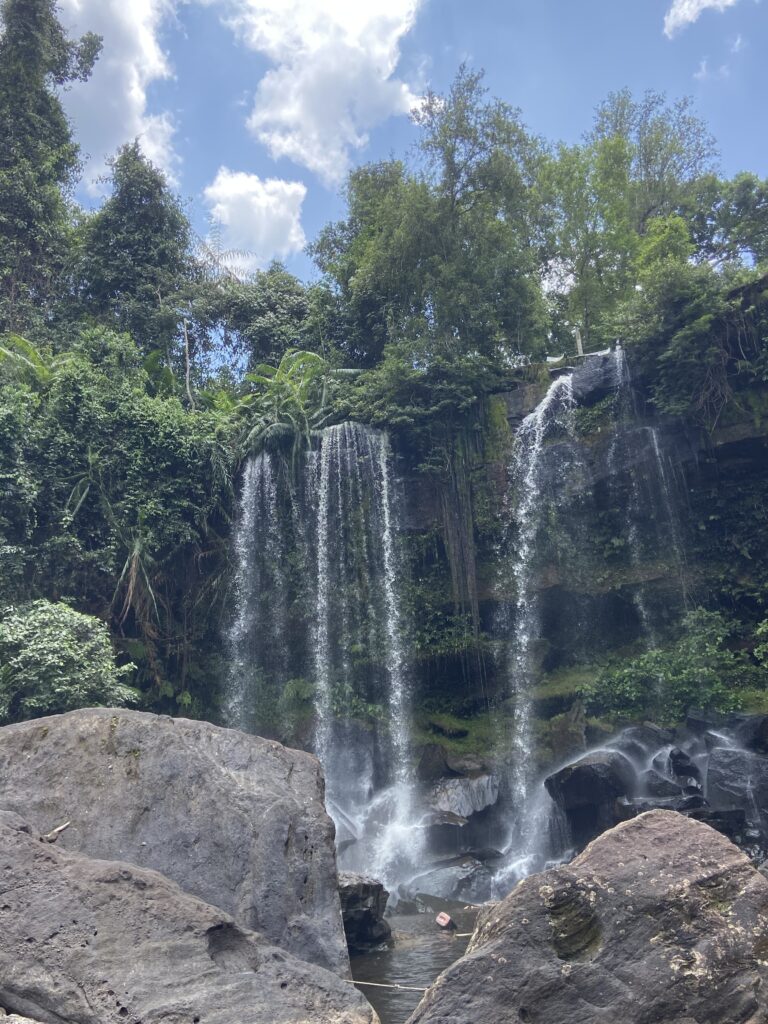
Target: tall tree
x,y
38,157
134,254
444,253
669,146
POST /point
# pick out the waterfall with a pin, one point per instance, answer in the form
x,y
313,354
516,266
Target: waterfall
x,y
642,484
256,639
532,485
358,651
317,613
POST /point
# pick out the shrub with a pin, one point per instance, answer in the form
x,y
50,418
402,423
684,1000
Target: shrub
x,y
55,659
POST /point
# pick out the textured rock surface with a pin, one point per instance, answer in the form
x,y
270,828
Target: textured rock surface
x,y
462,878
587,791
659,920
738,779
102,942
363,902
236,820
464,796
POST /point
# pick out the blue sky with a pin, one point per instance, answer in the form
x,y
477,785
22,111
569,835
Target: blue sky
x,y
258,108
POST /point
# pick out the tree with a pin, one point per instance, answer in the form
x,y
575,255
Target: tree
x,y
55,659
444,254
263,317
38,159
591,239
729,219
134,255
669,149
287,404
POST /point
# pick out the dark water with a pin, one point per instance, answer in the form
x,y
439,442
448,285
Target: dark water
x,y
421,952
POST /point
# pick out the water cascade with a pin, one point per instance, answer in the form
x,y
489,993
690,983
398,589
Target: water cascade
x,y
359,657
532,482
331,635
259,662
589,558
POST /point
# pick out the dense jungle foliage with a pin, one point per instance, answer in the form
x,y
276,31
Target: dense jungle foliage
x,y
138,368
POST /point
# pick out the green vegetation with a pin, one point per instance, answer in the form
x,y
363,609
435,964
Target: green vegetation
x,y
138,368
702,669
54,659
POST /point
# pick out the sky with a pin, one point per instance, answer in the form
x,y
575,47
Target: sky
x,y
257,109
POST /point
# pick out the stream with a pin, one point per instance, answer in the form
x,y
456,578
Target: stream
x,y
421,952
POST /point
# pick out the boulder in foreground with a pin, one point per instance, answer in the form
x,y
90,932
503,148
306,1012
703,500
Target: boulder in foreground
x,y
102,942
234,819
659,919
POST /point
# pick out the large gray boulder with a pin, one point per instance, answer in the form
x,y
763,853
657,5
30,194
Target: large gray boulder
x,y
86,941
588,791
234,819
660,919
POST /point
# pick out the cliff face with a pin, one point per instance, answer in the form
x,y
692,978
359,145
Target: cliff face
x,y
639,520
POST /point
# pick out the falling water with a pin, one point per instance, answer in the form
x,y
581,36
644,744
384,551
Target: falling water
x,y
359,656
334,634
552,419
641,483
672,519
256,638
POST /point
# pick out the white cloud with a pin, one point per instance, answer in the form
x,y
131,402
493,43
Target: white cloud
x,y
685,12
111,108
260,218
334,75
704,72
737,45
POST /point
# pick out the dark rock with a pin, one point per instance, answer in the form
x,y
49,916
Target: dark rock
x,y
699,722
732,823
103,942
462,879
466,764
675,762
236,820
464,796
594,378
432,764
681,765
738,779
655,784
640,741
363,902
681,804
486,853
660,919
751,731
588,789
